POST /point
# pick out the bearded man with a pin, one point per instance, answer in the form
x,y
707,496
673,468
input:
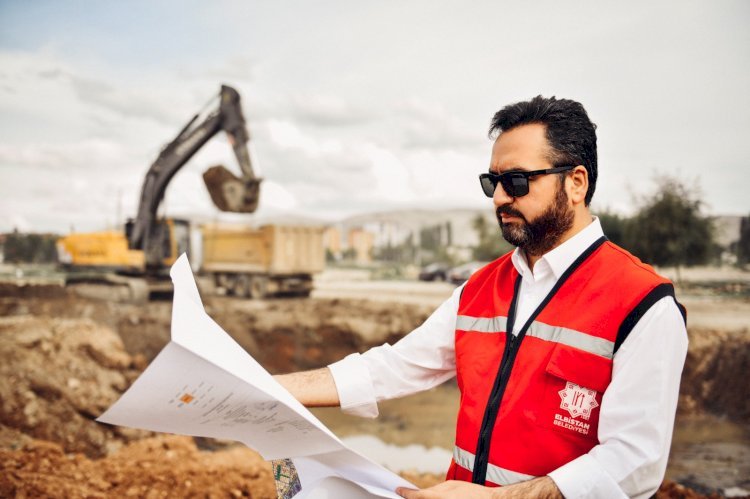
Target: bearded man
x,y
568,350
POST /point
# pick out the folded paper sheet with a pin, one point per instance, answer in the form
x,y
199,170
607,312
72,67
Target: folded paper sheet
x,y
204,384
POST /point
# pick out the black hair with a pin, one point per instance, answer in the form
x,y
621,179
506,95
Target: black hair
x,y
570,132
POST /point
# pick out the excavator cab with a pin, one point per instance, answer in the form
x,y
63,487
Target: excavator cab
x,y
168,238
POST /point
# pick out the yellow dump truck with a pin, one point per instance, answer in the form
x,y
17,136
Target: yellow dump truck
x,y
257,262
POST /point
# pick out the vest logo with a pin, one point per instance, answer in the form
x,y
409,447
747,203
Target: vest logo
x,y
578,400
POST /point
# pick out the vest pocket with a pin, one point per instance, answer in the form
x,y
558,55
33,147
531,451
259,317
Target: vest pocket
x,y
574,381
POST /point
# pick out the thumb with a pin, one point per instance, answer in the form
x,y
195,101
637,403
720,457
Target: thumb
x,y
407,493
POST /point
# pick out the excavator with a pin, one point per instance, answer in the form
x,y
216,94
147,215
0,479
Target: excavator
x,y
134,264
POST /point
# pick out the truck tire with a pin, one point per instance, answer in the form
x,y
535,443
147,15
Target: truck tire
x,y
258,287
240,286
139,291
254,287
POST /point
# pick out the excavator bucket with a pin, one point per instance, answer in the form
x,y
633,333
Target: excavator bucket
x,y
230,193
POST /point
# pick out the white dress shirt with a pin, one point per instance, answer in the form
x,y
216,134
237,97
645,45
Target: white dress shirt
x,y
637,410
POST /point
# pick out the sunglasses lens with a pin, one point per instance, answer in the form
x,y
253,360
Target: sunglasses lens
x,y
488,185
515,185
520,186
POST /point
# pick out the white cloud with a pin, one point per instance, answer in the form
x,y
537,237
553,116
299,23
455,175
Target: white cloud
x,y
289,136
276,196
19,222
75,155
392,178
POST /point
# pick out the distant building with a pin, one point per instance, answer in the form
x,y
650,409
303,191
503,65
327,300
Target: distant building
x,y
453,229
361,241
332,241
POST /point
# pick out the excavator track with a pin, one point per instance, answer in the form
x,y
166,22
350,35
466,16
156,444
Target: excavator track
x,y
116,288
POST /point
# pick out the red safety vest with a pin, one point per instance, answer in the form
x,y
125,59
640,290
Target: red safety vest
x,y
531,404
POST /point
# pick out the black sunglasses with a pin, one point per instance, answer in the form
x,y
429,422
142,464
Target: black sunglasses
x,y
515,183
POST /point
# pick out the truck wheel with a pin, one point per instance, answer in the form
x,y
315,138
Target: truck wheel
x,y
257,287
234,285
240,287
139,292
251,286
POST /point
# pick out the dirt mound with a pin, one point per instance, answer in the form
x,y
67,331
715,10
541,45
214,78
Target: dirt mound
x,y
57,375
163,466
144,329
715,374
287,335
282,334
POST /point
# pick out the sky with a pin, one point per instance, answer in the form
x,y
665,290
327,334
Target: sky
x,y
356,107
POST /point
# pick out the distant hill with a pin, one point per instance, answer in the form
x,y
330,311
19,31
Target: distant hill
x,y
396,226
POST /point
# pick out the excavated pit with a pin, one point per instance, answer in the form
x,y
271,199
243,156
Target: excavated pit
x,y
66,358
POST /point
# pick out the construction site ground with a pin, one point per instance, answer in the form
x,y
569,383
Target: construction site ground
x,y
66,358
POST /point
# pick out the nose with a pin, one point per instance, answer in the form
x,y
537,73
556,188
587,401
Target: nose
x,y
500,197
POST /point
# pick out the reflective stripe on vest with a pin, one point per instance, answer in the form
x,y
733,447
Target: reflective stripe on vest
x,y
570,337
495,474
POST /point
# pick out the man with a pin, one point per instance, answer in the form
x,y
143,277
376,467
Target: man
x,y
568,351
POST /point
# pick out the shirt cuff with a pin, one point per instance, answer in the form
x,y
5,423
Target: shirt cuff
x,y
584,477
354,386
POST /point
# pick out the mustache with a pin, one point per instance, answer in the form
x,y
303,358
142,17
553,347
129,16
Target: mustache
x,y
509,211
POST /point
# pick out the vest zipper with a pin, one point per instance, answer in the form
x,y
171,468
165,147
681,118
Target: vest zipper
x,y
512,344
482,454
493,407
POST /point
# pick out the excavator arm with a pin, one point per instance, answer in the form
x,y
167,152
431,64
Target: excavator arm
x,y
228,192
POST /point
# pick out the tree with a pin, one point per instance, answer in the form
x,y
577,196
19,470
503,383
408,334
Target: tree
x,y
434,241
670,229
491,243
30,248
614,227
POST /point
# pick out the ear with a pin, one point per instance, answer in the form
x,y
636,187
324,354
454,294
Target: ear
x,y
577,184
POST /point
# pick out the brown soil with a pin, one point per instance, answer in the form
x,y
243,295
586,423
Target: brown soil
x,y
65,359
157,467
282,334
167,466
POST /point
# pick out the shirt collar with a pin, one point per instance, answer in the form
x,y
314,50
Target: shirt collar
x,y
559,259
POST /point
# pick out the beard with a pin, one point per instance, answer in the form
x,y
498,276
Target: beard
x,y
544,232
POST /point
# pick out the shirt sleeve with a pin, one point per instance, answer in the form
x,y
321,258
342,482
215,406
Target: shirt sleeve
x,y
419,361
637,413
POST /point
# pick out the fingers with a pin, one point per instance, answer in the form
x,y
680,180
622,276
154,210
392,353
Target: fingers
x,y
439,491
448,490
408,493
